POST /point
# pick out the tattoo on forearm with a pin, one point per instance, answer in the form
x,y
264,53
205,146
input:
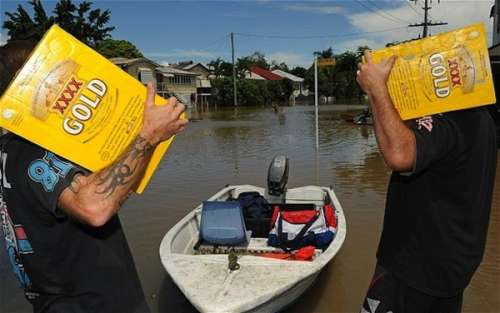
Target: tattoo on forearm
x,y
122,171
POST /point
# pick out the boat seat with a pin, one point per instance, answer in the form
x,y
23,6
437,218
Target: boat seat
x,y
222,223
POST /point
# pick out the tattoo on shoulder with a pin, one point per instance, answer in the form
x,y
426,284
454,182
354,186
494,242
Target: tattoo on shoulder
x,y
122,171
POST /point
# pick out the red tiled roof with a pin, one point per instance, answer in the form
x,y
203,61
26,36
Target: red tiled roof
x,y
265,73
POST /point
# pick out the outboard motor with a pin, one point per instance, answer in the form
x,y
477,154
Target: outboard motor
x,y
277,176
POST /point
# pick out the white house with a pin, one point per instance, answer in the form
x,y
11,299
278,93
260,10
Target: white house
x,y
298,82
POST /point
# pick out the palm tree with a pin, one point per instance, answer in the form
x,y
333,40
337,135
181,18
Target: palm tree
x,y
80,20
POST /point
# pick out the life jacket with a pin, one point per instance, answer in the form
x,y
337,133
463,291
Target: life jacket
x,y
294,226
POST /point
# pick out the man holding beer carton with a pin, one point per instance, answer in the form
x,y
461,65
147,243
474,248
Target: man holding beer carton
x,y
64,238
444,164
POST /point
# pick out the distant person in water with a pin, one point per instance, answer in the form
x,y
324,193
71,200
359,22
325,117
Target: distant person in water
x,y
438,201
60,223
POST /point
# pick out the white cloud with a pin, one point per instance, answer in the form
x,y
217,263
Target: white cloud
x,y
291,59
456,13
318,9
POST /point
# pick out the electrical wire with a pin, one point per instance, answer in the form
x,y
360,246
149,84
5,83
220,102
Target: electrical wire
x,y
379,9
414,10
217,42
319,36
379,13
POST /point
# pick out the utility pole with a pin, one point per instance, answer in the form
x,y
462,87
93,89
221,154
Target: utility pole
x,y
234,71
426,23
316,100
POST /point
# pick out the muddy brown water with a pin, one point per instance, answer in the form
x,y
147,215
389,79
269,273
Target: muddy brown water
x,y
235,146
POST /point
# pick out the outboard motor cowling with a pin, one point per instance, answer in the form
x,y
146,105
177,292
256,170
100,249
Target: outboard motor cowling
x,y
277,176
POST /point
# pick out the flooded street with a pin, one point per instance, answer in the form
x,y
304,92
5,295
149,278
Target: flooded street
x,y
235,146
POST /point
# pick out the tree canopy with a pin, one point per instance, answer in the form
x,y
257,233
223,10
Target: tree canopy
x,y
87,24
328,53
221,68
111,48
257,59
279,66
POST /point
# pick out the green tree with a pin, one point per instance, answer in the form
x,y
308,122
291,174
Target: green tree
x,y
79,20
249,92
299,71
279,66
223,87
111,48
257,59
360,51
328,53
339,80
221,67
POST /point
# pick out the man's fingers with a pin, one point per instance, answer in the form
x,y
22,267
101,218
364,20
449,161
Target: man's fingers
x,y
179,108
150,95
183,122
390,63
172,101
368,56
180,125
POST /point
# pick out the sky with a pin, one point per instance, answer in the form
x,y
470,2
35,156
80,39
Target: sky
x,y
285,31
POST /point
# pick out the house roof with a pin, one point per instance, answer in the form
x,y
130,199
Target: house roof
x,y
268,75
250,75
191,66
289,76
126,61
175,71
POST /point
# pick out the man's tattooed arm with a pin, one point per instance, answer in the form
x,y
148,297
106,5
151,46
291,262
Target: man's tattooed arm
x,y
124,171
109,188
95,198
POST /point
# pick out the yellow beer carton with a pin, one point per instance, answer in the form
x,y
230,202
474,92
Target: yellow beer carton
x,y
74,102
438,74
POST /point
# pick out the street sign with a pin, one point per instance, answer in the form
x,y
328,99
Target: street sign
x,y
326,62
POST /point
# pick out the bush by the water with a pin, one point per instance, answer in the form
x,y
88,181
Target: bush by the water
x,y
252,92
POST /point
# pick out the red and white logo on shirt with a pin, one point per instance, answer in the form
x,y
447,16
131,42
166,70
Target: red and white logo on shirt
x,y
425,122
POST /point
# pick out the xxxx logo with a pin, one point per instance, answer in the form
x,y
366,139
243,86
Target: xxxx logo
x,y
456,79
67,95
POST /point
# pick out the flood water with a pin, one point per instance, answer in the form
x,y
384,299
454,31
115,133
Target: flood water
x,y
235,146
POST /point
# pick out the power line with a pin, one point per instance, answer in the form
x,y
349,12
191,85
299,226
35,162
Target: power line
x,y
319,36
414,10
382,10
379,13
216,42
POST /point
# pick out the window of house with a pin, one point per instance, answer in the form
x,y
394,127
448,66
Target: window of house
x,y
180,80
145,75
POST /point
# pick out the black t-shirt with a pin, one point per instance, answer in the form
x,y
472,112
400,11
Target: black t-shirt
x,y
436,217
63,265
